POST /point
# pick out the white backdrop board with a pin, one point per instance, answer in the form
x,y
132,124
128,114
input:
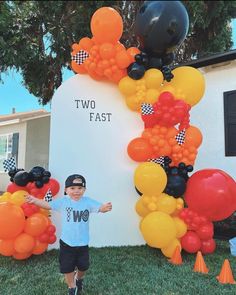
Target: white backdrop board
x,y
91,127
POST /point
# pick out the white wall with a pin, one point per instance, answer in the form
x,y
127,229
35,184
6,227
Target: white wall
x,y
97,149
208,116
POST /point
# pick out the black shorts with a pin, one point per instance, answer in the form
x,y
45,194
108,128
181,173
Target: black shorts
x,y
71,258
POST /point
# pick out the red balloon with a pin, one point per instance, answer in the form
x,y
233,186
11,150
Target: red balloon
x,y
211,193
12,187
206,231
37,192
53,185
190,242
52,239
44,238
51,229
208,246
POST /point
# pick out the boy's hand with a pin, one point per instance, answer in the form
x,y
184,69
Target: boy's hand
x,y
105,207
30,199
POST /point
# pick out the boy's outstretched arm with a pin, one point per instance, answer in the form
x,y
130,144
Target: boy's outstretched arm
x,y
105,207
40,203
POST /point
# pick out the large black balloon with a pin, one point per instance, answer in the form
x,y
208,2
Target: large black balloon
x,y
21,178
161,26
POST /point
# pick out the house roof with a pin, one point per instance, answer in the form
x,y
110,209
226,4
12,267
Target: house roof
x,y
211,60
23,116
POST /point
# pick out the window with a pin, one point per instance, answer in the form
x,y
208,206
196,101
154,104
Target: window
x,y
8,147
230,122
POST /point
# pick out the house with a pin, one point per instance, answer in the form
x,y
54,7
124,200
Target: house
x,y
24,136
215,114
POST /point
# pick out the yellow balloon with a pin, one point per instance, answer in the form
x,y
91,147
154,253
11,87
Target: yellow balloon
x,y
18,197
166,204
152,96
181,227
5,197
133,103
127,86
140,208
153,78
7,194
170,249
158,229
189,84
167,88
150,178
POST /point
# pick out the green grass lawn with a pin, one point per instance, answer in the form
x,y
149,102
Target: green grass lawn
x,y
136,270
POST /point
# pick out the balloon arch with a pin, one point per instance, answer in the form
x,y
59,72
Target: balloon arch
x,y
167,148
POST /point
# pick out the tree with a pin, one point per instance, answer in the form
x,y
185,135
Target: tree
x,y
36,36
36,39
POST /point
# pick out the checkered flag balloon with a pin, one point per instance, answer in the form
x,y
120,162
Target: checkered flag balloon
x,y
80,57
48,196
180,137
147,109
159,160
9,164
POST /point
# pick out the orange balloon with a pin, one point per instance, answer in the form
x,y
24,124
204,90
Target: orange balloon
x,y
36,224
106,25
86,43
139,149
12,220
193,136
132,51
107,50
7,247
21,256
39,248
78,69
24,243
123,59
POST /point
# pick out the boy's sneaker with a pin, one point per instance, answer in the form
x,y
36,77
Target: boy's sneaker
x,y
71,291
79,285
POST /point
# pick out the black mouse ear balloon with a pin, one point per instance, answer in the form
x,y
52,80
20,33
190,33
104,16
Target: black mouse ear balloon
x,y
161,26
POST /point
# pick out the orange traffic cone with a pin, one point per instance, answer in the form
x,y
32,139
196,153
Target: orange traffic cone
x,y
200,265
176,257
226,275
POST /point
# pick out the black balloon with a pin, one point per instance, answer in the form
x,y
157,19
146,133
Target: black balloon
x,y
161,26
38,183
155,63
176,186
45,179
168,58
37,172
21,178
47,173
136,71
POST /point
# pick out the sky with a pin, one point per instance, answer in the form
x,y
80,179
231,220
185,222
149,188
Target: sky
x,y
14,95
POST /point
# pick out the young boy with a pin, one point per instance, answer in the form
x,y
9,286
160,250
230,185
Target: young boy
x,y
75,209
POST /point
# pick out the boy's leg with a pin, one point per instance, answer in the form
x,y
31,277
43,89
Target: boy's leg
x,y
79,276
82,266
69,278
